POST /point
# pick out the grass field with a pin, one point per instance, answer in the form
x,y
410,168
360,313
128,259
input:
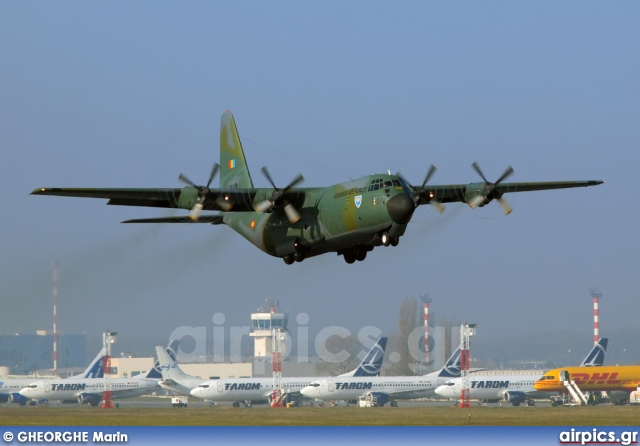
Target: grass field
x,y
322,416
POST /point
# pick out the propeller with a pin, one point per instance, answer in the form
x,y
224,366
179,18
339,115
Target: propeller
x,y
435,203
268,204
203,191
490,188
417,197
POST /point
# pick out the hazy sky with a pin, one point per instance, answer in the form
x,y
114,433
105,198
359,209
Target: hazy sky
x,y
130,94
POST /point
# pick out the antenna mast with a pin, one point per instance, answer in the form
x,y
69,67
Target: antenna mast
x,y
108,338
279,335
596,313
466,331
55,318
426,300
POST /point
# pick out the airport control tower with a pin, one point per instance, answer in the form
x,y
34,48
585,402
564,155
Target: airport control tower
x,y
263,321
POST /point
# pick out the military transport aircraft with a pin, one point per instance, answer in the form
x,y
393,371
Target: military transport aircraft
x,y
293,223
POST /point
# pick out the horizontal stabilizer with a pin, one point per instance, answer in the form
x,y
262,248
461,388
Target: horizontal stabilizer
x,y
213,219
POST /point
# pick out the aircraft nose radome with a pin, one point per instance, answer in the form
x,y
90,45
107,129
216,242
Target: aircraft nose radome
x,y
400,208
306,391
444,391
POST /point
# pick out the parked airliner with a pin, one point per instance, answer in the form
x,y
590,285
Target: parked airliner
x,y
259,390
90,390
513,386
383,388
10,388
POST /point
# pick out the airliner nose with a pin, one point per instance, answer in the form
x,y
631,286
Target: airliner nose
x,y
25,392
307,391
400,208
446,391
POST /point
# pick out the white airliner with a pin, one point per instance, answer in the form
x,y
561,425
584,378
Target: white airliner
x,y
10,388
91,390
259,390
173,378
383,389
513,386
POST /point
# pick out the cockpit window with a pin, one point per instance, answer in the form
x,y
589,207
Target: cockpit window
x,y
375,184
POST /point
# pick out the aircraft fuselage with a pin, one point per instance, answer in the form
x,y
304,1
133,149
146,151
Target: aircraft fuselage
x,y
349,218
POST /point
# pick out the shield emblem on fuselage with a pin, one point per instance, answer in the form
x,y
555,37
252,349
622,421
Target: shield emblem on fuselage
x,y
358,200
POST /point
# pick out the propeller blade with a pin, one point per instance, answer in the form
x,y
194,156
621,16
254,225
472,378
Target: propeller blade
x,y
265,172
404,180
437,205
477,169
432,170
223,204
214,171
297,180
186,180
292,213
263,206
506,174
196,211
475,201
506,208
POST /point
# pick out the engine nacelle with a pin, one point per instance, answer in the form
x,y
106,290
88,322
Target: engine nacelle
x,y
380,398
478,194
514,398
18,399
89,398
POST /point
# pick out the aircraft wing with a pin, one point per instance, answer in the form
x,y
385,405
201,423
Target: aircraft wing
x,y
466,192
214,219
184,198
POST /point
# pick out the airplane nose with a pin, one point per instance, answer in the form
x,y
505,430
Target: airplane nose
x,y
306,391
400,208
445,391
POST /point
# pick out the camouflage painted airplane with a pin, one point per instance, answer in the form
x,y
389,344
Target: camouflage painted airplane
x,y
292,223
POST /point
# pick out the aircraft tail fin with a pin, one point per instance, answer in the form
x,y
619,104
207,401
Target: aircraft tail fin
x,y
371,365
234,172
595,358
167,365
452,367
96,368
156,371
